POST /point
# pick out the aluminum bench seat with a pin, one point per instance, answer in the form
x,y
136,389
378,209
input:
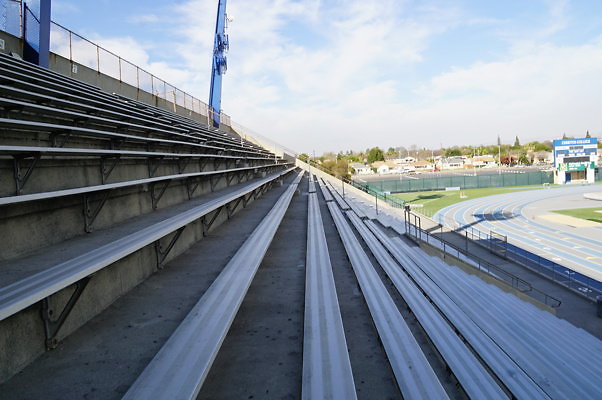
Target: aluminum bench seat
x,y
469,371
24,292
72,151
553,363
326,366
17,124
119,185
413,373
20,72
82,110
508,372
18,68
182,364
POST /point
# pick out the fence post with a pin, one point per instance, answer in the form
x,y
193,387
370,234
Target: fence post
x,y
376,197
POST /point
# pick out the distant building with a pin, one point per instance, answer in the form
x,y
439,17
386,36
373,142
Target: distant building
x,y
486,161
451,163
423,166
361,169
384,167
575,160
543,157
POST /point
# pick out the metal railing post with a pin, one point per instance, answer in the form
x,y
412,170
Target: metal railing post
x,y
376,197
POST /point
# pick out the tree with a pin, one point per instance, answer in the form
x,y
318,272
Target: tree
x,y
303,157
337,168
516,143
499,140
375,154
587,135
453,153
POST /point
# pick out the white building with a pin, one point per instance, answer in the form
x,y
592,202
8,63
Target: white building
x,y
451,163
485,161
361,169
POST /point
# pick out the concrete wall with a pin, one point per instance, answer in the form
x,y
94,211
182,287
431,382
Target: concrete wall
x,y
12,44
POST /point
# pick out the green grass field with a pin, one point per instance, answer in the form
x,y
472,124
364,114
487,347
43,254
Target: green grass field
x,y
435,200
591,214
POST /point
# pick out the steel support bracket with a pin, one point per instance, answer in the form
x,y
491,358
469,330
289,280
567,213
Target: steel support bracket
x,y
107,164
157,194
202,164
21,176
213,182
91,211
153,165
229,178
54,138
231,207
191,187
207,225
53,326
182,164
115,144
162,254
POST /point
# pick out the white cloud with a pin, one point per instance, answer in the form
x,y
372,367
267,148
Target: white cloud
x,y
346,74
144,19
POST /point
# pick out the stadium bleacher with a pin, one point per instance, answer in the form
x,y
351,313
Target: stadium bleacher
x,y
101,193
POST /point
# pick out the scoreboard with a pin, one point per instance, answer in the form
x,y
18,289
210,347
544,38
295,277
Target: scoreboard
x,y
572,155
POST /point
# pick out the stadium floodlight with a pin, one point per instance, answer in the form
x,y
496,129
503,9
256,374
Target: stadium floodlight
x,y
220,64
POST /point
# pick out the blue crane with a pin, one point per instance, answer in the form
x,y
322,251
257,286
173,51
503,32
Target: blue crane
x,y
36,32
220,47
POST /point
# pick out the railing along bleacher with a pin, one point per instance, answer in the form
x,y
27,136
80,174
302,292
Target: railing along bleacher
x,y
415,231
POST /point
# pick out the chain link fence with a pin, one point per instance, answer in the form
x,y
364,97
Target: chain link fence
x,y
420,184
77,49
11,17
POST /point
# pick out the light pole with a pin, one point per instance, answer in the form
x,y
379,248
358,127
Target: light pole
x,y
499,159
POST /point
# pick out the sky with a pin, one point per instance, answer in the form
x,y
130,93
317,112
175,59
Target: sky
x,y
338,75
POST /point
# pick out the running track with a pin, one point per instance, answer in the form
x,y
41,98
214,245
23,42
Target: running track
x,y
579,249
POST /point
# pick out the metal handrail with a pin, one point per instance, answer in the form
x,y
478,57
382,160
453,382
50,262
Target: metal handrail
x,y
560,274
392,201
515,281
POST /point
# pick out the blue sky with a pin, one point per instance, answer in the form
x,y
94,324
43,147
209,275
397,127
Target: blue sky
x,y
350,74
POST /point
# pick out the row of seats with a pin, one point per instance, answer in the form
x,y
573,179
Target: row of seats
x,y
494,343
98,191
